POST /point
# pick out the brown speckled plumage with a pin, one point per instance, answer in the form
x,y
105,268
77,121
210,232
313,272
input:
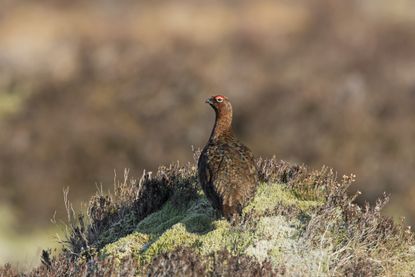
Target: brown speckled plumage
x,y
226,167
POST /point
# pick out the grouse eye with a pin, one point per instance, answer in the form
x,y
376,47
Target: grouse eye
x,y
219,99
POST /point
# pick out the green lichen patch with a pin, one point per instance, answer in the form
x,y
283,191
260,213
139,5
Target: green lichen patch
x,y
269,196
176,236
126,246
214,240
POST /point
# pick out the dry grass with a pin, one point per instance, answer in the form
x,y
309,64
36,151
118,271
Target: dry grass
x,y
332,237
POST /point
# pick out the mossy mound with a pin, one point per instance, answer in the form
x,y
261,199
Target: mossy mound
x,y
266,234
196,225
299,223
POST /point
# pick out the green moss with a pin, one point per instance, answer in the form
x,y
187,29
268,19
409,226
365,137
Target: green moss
x,y
306,242
168,241
186,225
268,196
193,224
196,216
162,220
167,229
126,246
214,240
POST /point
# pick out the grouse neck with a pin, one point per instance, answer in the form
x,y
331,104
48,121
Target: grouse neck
x,y
223,125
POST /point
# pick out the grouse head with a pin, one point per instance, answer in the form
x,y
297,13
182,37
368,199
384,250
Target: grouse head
x,y
223,111
220,104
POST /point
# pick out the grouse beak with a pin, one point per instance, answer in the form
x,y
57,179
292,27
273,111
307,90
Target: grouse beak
x,y
209,101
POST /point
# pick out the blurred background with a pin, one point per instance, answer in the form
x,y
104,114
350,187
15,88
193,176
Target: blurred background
x,y
92,87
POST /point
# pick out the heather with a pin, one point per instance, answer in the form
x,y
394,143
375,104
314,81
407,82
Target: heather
x,y
301,222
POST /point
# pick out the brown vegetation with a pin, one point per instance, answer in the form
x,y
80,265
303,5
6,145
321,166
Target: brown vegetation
x,y
314,82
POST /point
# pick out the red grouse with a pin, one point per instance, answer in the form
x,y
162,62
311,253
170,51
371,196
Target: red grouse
x,y
226,167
